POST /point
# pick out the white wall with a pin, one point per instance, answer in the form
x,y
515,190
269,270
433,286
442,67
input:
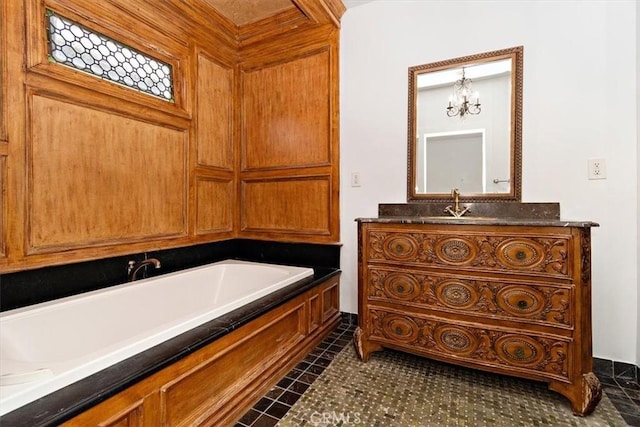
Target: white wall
x,y
638,175
580,76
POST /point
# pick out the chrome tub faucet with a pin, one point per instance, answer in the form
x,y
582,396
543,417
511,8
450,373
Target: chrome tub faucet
x,y
134,267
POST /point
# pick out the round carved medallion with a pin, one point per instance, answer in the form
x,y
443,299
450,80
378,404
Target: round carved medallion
x,y
519,350
400,328
455,339
455,250
400,247
456,294
521,300
520,253
401,286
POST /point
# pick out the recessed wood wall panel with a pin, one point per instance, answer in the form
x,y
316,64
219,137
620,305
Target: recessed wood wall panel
x,y
214,114
96,177
286,114
215,205
287,205
3,204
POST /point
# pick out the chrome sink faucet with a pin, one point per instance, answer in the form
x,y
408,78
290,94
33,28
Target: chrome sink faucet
x,y
455,209
134,267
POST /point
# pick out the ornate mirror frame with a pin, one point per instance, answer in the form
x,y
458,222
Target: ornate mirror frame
x,y
515,189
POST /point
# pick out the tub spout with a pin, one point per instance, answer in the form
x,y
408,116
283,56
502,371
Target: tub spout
x,y
135,267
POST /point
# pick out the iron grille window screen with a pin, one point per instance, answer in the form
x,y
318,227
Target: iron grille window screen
x,y
83,49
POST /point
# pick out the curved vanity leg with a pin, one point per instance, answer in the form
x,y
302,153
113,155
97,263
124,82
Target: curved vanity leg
x,y
363,347
357,342
583,396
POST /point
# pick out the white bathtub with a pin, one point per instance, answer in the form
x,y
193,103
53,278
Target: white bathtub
x,y
48,346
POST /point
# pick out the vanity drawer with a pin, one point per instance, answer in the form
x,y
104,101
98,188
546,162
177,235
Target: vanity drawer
x,y
542,255
513,351
543,304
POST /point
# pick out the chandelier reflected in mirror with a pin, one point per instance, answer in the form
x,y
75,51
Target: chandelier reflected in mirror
x,y
463,101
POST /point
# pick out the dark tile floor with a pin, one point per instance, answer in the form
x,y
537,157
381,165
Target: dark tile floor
x,y
275,404
619,382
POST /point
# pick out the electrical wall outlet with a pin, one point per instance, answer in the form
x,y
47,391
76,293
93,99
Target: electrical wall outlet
x,y
597,169
355,179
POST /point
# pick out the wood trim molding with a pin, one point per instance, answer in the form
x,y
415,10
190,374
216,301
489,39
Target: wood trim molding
x,y
148,41
3,75
265,29
3,205
321,12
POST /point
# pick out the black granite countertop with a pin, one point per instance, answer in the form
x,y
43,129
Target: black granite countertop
x,y
76,398
537,214
470,220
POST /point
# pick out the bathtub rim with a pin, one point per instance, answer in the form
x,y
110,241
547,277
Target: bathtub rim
x,y
76,398
266,277
86,295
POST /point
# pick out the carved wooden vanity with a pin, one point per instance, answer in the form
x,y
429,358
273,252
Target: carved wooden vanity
x,y
505,296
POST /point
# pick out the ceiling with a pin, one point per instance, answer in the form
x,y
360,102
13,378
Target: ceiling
x,y
247,11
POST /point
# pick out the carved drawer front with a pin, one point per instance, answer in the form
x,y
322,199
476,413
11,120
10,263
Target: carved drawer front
x,y
543,255
544,304
541,355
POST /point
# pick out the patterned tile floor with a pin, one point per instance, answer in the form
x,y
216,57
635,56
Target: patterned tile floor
x,y
622,391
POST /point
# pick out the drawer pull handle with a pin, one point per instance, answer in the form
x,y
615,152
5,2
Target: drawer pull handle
x,y
521,255
522,304
398,330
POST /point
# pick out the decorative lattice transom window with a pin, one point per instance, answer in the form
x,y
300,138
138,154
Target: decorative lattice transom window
x,y
78,47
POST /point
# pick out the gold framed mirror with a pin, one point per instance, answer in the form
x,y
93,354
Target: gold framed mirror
x,y
465,128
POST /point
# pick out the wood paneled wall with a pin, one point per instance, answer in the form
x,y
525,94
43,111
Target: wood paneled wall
x,y
4,148
248,147
289,157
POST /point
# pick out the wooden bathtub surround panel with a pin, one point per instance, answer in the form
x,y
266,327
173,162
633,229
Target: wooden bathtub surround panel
x,y
315,313
217,384
229,371
97,178
330,302
509,299
287,205
214,111
215,201
287,124
132,407
131,416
